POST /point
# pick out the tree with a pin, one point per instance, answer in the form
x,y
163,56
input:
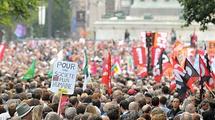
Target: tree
x,y
12,11
200,11
61,20
15,10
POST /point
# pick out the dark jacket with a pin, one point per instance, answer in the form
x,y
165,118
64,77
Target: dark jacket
x,y
172,113
209,115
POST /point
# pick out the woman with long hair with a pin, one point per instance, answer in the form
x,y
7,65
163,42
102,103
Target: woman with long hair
x,y
37,112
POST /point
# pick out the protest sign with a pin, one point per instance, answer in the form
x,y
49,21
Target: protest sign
x,y
64,77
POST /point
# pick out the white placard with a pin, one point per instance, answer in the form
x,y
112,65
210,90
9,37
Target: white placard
x,y
64,76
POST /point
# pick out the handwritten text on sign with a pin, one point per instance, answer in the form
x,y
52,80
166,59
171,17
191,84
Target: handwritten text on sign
x,y
64,76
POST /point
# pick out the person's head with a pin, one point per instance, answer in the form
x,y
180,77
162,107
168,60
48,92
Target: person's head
x,y
70,113
192,99
46,110
96,103
74,101
23,96
155,101
156,111
81,108
37,93
148,98
87,100
77,117
85,116
190,108
46,96
186,116
91,109
146,108
212,104
163,100
141,102
116,94
34,102
124,105
204,105
19,88
141,118
165,90
37,112
94,117
24,111
176,103
52,116
133,106
113,113
55,99
108,106
159,117
196,116
105,118
2,109
12,109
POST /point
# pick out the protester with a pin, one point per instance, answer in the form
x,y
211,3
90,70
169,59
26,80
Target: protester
x,y
128,96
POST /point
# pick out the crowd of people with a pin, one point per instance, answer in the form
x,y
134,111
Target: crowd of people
x,y
132,98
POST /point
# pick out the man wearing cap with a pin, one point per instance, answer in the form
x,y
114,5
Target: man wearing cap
x,y
24,111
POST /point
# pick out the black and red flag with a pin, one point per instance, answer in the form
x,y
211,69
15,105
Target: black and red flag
x,y
180,78
205,73
161,66
192,73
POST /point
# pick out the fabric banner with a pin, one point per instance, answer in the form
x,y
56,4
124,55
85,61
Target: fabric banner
x,y
20,31
160,39
106,74
143,38
139,56
156,53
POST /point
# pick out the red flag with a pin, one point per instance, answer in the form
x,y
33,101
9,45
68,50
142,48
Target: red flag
x,y
204,72
106,74
63,101
193,74
139,56
2,49
142,71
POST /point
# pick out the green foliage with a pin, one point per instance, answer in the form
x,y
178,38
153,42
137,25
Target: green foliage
x,y
16,10
200,11
26,11
61,17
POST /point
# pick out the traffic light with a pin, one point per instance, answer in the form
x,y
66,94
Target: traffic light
x,y
149,39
